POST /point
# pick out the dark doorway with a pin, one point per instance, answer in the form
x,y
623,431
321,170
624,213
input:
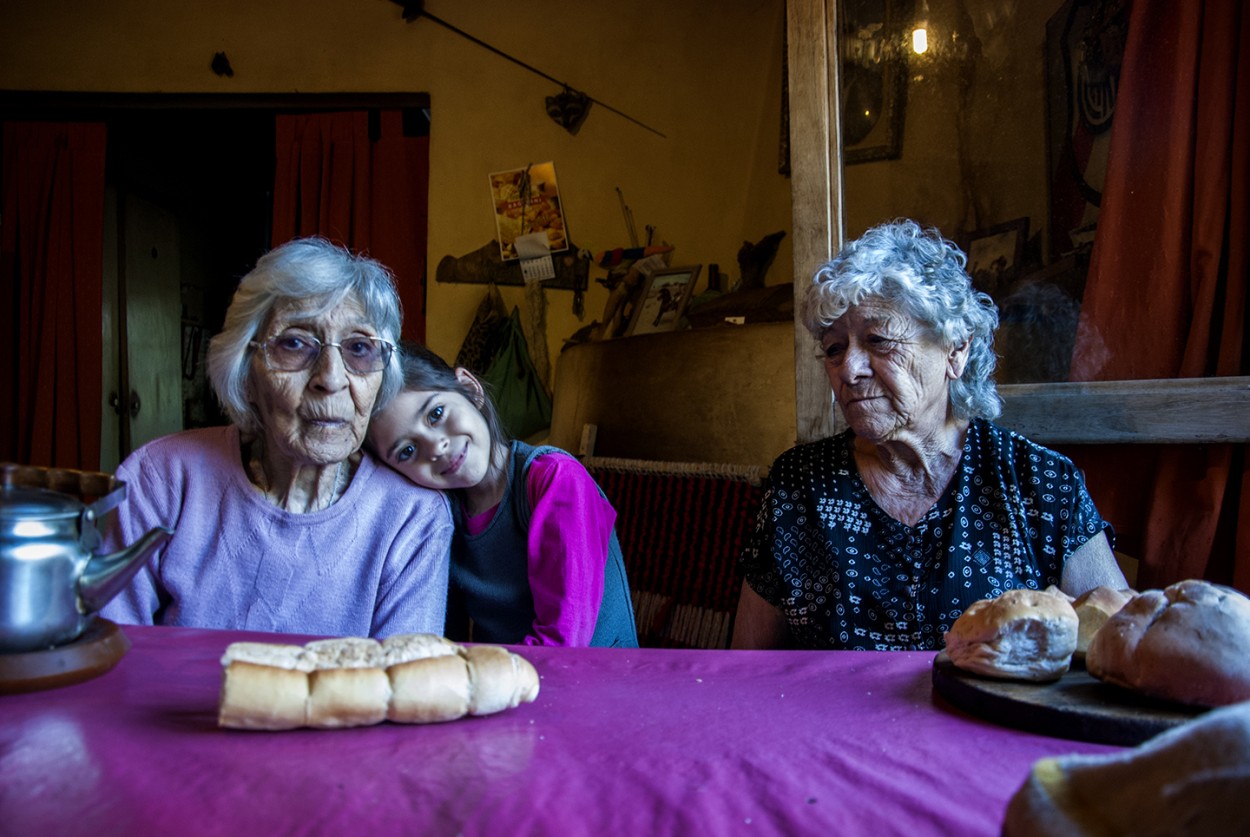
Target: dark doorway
x,y
190,199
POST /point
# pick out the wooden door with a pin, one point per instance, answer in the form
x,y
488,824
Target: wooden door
x,y
142,326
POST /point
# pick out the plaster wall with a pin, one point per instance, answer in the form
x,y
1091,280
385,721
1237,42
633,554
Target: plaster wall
x,y
705,73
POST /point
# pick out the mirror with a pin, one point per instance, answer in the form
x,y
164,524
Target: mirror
x,y
1003,111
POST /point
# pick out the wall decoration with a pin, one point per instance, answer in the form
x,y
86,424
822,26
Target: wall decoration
x,y
994,255
1084,48
873,79
527,202
663,300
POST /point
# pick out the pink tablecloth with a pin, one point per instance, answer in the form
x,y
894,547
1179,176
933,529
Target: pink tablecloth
x,y
619,742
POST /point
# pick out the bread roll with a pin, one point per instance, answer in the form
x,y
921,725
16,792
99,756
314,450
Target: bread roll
x,y
1191,780
1093,609
264,686
1188,643
429,690
352,681
403,648
500,680
1021,635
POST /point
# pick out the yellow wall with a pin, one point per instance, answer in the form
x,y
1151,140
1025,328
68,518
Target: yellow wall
x,y
706,73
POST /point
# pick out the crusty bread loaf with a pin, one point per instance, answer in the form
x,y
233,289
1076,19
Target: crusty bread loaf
x,y
1192,780
352,681
430,690
501,680
1093,609
1188,643
1021,635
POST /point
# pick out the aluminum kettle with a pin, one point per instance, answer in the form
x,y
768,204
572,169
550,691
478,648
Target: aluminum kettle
x,y
52,583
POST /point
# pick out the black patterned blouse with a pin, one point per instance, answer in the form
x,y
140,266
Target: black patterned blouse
x,y
847,575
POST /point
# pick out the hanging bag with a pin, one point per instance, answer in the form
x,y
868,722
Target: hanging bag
x,y
522,400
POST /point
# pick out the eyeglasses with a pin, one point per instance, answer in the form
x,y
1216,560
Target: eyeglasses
x,y
295,351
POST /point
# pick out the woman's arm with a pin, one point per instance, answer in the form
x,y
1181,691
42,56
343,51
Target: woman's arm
x,y
758,624
569,535
1092,565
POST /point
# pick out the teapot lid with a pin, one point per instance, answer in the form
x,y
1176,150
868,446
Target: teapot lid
x,y
19,503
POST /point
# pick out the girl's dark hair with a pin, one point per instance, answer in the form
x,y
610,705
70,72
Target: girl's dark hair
x,y
421,370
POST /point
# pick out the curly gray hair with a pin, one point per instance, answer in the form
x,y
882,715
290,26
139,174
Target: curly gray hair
x,y
308,269
920,273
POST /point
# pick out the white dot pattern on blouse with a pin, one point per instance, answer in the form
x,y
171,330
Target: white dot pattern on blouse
x,y
847,575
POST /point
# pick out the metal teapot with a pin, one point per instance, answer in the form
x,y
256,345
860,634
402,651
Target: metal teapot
x,y
51,582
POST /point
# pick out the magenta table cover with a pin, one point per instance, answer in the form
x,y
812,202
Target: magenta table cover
x,y
649,741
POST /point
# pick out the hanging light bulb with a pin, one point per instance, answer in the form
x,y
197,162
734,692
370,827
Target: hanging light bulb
x,y
920,32
920,38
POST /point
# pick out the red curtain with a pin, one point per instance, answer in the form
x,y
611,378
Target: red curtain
x,y
1166,295
51,268
361,179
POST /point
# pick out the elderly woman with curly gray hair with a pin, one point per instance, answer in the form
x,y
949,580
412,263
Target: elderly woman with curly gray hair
x,y
879,537
282,522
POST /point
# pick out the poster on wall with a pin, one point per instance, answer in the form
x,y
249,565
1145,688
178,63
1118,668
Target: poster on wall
x,y
1084,48
527,208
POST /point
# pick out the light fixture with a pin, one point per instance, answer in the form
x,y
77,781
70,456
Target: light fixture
x,y
920,38
920,32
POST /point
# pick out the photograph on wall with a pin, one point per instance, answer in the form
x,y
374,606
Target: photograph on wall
x,y
527,204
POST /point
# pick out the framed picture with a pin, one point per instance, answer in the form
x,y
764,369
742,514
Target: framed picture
x,y
873,92
994,255
663,300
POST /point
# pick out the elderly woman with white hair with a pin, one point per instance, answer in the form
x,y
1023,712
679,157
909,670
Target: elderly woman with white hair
x,y
878,538
282,522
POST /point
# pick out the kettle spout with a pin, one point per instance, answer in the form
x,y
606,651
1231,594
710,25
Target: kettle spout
x,y
106,575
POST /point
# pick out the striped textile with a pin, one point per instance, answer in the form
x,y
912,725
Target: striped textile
x,y
681,536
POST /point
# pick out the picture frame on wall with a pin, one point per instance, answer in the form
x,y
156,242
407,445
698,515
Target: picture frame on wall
x,y
873,79
994,255
663,300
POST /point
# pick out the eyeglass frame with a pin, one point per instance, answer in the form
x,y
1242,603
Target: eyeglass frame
x,y
388,351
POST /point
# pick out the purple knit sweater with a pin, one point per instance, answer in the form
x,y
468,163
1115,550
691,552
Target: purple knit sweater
x,y
373,564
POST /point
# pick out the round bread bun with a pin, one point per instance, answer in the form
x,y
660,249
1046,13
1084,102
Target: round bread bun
x,y
1190,780
1021,635
1093,609
1188,643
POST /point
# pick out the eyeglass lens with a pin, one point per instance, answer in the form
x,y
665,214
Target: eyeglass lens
x,y
295,351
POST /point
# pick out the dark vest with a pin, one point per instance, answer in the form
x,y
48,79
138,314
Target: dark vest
x,y
490,570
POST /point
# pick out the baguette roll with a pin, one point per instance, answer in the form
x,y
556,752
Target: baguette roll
x,y
347,697
352,681
498,683
403,648
255,696
429,690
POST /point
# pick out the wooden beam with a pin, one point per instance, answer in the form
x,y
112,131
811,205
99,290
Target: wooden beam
x,y
816,188
1170,411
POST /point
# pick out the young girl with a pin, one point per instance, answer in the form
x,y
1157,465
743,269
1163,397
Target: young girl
x,y
535,559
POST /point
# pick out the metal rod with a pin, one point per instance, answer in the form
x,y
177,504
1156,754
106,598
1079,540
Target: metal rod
x,y
532,69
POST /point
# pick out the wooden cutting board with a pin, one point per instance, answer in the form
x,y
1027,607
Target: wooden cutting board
x,y
1077,706
100,648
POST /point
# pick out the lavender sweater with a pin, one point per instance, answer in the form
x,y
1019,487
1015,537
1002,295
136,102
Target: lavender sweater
x,y
373,564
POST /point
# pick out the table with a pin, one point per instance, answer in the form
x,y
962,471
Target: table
x,y
648,741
